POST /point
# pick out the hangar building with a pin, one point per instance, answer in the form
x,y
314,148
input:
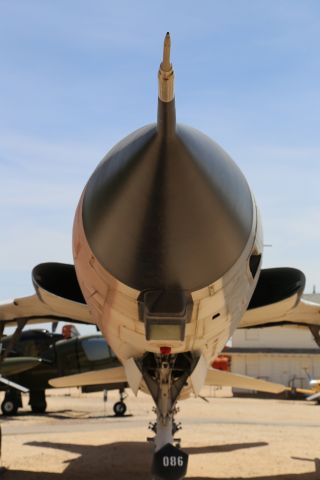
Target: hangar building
x,y
278,354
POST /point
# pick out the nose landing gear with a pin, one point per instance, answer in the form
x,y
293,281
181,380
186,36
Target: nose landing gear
x,y
165,376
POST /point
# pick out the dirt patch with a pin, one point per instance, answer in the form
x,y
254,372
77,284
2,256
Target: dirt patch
x,y
227,438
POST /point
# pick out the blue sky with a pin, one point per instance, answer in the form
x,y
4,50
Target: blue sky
x,y
76,76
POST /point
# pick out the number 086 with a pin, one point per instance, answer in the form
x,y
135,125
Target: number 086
x,y
172,461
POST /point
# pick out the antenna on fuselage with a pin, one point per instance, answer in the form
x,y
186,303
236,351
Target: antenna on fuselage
x,y
166,105
166,73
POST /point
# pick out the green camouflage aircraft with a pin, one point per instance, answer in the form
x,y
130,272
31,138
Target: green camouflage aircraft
x,y
40,356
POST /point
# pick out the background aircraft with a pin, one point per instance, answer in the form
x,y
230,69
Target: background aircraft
x,y
315,391
167,246
39,356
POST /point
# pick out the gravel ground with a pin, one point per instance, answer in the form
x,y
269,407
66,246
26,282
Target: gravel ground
x,y
227,438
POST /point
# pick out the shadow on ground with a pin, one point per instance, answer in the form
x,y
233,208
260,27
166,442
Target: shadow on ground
x,y
62,415
123,460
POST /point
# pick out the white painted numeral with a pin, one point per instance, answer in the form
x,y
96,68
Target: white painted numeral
x,y
166,461
172,461
180,462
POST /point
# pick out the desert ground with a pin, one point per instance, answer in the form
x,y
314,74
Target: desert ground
x,y
227,438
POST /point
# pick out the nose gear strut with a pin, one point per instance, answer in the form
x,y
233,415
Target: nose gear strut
x,y
165,376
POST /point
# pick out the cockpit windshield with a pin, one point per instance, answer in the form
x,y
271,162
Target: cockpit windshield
x,y
96,348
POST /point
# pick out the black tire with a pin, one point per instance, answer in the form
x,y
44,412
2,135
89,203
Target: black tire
x,y
9,407
119,409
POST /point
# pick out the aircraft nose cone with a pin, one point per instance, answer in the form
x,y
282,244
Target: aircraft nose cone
x,y
167,211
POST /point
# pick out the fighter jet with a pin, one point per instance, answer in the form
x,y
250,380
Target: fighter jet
x,y
167,244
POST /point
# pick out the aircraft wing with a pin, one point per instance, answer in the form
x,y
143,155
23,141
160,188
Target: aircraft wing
x,y
13,365
222,378
293,311
277,301
36,309
95,377
58,297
